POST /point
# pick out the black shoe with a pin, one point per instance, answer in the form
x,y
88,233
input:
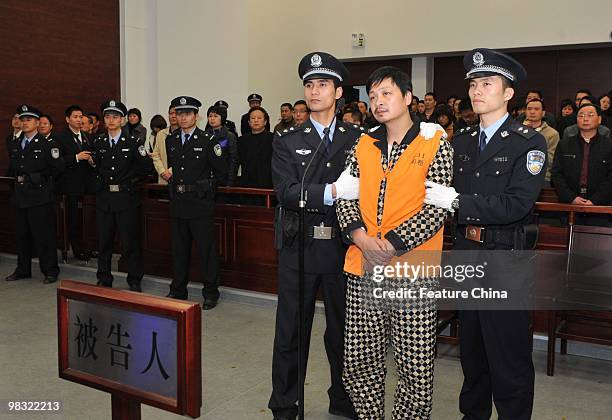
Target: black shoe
x,y
104,284
177,296
16,276
135,288
343,411
208,304
49,279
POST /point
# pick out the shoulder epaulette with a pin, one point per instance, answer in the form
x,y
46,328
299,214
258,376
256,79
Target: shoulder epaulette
x,y
525,132
287,131
373,129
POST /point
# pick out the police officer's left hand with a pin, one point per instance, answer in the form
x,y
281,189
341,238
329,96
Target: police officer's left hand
x,y
438,195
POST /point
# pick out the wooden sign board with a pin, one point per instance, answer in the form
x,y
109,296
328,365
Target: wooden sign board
x,y
140,348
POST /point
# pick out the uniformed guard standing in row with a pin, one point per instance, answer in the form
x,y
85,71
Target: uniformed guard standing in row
x,y
198,165
119,161
34,162
314,152
498,173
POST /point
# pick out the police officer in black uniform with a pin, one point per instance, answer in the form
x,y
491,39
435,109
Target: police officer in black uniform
x,y
34,161
498,171
320,147
120,162
198,165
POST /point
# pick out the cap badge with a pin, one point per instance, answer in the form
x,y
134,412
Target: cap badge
x,y
24,108
183,101
478,59
112,103
315,60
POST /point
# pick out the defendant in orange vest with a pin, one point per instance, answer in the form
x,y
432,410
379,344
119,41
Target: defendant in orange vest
x,y
389,219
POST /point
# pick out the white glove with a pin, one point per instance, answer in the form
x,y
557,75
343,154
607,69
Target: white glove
x,y
428,130
347,186
440,196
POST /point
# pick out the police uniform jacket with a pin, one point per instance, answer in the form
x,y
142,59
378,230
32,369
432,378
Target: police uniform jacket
x,y
500,185
34,168
78,174
567,167
197,167
293,150
118,169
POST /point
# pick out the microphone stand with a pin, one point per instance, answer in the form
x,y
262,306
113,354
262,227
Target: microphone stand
x,y
301,281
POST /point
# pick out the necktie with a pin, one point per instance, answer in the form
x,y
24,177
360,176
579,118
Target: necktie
x,y
483,141
185,138
113,143
24,142
326,139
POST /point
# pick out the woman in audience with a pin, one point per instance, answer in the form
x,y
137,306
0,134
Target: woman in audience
x,y
157,124
567,115
134,125
456,110
255,151
444,116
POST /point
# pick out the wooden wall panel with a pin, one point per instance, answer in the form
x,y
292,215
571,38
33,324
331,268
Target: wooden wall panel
x,y
55,53
361,70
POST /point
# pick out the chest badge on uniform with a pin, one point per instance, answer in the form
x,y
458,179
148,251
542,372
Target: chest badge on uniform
x,y
505,134
218,150
55,153
197,149
535,161
307,130
342,130
142,151
303,152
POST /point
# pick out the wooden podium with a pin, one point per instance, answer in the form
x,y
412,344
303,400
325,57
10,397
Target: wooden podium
x,y
141,349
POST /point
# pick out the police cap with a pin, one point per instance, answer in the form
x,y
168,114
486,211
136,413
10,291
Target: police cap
x,y
254,97
321,65
186,103
483,62
222,104
114,106
28,111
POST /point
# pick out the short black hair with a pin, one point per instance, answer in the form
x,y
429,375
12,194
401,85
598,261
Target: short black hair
x,y
301,102
287,104
258,108
171,107
355,113
397,76
365,103
465,104
73,108
432,95
567,102
584,90
158,122
421,101
93,114
451,97
538,92
537,100
590,98
415,98
47,117
597,108
135,111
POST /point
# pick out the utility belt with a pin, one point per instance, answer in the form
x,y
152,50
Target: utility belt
x,y
34,179
520,237
200,186
118,188
321,232
286,226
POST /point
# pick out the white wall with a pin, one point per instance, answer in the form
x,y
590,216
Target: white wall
x,y
228,49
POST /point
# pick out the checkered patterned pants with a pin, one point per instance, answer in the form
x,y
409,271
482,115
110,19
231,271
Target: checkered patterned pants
x,y
368,333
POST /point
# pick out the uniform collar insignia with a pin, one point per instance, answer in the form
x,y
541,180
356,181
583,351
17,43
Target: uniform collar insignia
x,y
474,133
505,134
307,130
341,129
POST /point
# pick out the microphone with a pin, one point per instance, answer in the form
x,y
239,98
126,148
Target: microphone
x,y
302,202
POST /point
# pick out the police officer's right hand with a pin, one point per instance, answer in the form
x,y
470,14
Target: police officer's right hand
x,y
84,155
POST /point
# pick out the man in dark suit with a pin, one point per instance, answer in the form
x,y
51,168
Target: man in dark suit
x,y
320,146
75,147
582,168
498,172
34,163
198,166
119,162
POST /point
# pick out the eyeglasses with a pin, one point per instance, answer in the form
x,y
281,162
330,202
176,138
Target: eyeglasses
x,y
590,115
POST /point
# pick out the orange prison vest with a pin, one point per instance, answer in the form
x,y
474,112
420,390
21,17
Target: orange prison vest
x,y
404,195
